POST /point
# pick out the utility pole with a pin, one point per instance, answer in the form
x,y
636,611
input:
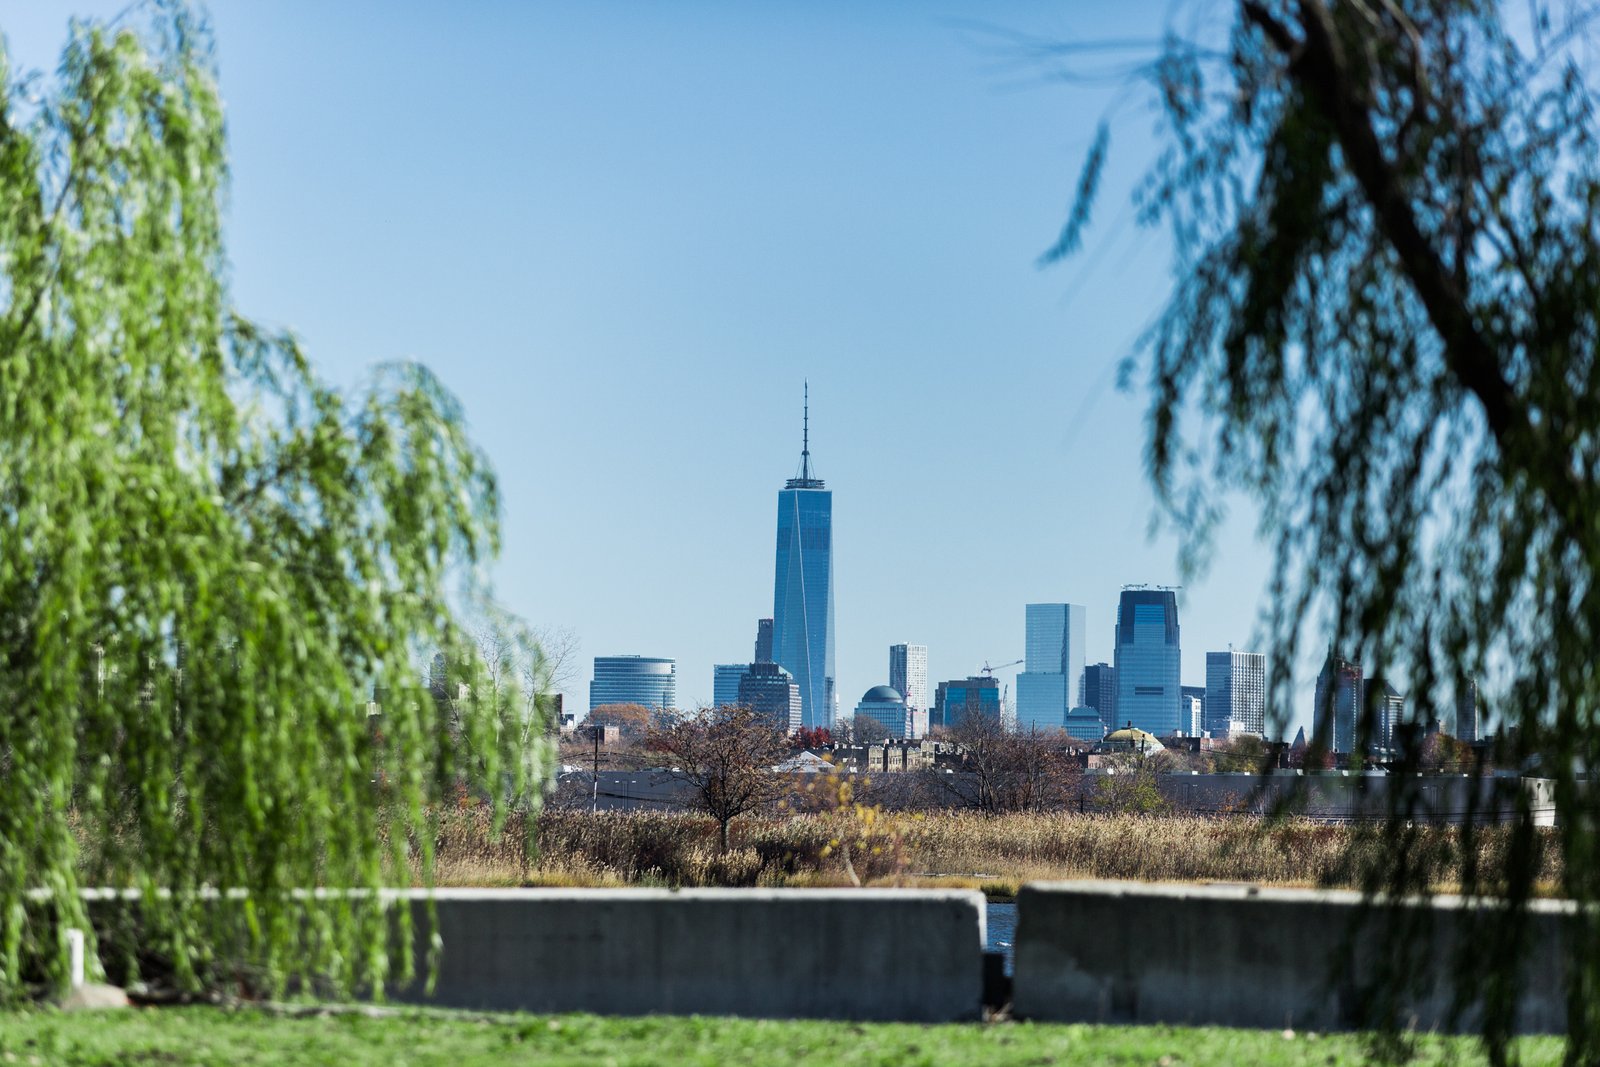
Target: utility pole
x,y
594,795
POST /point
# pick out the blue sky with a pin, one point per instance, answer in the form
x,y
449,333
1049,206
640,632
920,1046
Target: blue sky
x,y
624,233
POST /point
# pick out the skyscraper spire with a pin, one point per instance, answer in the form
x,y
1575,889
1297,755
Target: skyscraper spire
x,y
805,433
805,480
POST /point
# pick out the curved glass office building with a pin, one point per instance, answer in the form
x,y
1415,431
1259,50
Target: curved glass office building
x,y
644,680
802,590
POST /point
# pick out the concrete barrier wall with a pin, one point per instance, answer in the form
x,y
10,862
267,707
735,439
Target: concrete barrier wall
x,y
816,953
1243,956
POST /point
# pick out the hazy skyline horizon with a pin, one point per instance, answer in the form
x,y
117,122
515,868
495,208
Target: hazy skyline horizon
x,y
624,235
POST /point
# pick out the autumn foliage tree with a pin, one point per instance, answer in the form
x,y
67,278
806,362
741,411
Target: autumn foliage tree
x,y
632,721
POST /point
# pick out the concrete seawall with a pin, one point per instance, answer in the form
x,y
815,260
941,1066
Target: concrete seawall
x,y
1243,956
912,955
1121,952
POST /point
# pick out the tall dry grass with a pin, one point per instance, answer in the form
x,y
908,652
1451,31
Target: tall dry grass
x,y
654,848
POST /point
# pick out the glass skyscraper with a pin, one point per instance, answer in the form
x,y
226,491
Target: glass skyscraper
x,y
725,683
1100,693
802,594
767,689
1339,698
1051,681
1148,661
642,680
955,700
1467,718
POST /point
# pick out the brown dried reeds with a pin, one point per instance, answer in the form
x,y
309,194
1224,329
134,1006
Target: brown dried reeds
x,y
954,848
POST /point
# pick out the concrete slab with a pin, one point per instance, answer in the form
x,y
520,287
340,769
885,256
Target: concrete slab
x,y
914,955
1246,956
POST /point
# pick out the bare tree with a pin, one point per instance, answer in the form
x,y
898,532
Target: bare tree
x,y
555,669
1045,771
727,755
1003,771
865,730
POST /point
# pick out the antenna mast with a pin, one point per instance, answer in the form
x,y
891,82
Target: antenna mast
x,y
805,480
805,435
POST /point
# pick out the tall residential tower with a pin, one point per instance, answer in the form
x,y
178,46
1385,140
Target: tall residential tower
x,y
1236,693
908,673
802,588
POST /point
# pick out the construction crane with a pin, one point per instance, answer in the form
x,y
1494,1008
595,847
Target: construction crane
x,y
988,670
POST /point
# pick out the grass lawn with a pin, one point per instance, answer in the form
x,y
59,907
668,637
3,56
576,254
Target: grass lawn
x,y
173,1037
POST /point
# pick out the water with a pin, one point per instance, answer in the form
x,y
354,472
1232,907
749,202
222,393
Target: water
x,y
1002,921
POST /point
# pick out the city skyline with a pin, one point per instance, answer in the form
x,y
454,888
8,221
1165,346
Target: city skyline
x,y
627,344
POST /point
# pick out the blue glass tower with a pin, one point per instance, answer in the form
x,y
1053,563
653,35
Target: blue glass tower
x,y
1148,689
802,588
1052,675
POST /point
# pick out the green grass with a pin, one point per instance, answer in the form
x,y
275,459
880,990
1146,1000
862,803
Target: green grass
x,y
175,1037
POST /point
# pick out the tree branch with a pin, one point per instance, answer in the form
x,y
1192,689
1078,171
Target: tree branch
x,y
1319,67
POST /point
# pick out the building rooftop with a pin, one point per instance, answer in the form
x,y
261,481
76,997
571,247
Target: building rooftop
x,y
883,694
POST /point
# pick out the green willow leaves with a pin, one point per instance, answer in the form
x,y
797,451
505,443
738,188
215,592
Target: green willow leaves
x,y
1386,229
210,562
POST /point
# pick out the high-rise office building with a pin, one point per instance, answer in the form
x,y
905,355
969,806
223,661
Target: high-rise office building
x,y
1236,693
1052,672
725,683
802,597
1467,712
956,700
645,680
763,641
768,689
1100,692
886,710
1338,701
908,674
1148,661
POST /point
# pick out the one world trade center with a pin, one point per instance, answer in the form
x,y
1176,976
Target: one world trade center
x,y
802,588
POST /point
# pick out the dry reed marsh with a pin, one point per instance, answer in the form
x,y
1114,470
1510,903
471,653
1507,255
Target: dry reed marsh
x,y
574,848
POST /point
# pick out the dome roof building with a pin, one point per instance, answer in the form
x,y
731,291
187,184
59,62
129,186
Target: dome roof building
x,y
883,711
1132,739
